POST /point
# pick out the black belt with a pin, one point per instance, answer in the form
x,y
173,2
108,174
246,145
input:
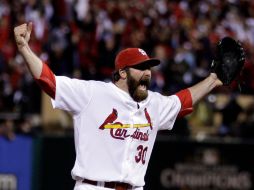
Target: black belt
x,y
111,184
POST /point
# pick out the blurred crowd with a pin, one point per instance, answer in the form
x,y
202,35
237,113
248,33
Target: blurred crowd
x,y
80,39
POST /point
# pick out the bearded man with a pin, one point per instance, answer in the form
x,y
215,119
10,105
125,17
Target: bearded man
x,y
115,123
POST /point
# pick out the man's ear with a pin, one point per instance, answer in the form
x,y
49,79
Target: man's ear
x,y
122,73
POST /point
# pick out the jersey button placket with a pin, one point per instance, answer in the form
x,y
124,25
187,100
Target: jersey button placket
x,y
128,151
132,143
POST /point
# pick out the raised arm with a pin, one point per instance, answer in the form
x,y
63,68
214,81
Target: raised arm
x,y
22,36
202,88
39,70
194,94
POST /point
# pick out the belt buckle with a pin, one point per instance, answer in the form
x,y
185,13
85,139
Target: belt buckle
x,y
100,183
121,186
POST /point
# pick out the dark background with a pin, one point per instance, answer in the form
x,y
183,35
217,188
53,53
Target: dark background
x,y
58,156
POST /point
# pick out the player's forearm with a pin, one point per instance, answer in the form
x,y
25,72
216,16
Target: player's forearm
x,y
33,62
40,71
202,88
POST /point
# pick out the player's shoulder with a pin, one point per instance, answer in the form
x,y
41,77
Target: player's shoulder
x,y
81,81
96,84
67,82
100,83
156,96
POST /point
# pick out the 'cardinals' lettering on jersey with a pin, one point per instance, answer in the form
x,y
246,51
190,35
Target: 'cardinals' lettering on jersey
x,y
118,130
113,136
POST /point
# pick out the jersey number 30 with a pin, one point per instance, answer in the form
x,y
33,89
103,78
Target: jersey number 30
x,y
141,156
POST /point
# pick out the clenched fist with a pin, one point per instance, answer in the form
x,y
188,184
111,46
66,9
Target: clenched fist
x,y
22,34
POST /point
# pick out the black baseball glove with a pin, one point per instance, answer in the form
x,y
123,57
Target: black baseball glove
x,y
229,60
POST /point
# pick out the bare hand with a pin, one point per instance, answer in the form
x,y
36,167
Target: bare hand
x,y
216,79
22,34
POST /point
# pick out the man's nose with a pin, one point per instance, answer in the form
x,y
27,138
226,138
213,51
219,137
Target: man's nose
x,y
147,72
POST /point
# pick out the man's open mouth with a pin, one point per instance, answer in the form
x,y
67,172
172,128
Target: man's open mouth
x,y
143,85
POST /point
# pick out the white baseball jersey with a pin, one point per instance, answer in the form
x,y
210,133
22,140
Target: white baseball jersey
x,y
114,136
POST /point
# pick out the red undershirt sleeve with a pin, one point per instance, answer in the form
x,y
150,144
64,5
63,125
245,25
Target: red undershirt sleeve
x,y
47,81
186,101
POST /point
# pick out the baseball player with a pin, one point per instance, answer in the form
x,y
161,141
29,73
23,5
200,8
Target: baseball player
x,y
115,123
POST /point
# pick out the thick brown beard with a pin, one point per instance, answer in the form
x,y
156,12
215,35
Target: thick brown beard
x,y
135,93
